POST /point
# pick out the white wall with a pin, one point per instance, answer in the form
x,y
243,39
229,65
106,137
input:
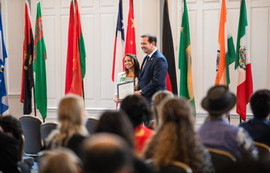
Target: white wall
x,y
98,25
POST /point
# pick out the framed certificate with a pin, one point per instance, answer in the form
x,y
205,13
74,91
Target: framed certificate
x,y
125,89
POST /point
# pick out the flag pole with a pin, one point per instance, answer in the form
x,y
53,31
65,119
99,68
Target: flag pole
x,y
83,91
35,106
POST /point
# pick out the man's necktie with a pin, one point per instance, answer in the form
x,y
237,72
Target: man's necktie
x,y
147,58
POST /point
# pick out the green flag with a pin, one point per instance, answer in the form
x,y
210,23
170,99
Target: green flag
x,y
186,84
230,57
40,66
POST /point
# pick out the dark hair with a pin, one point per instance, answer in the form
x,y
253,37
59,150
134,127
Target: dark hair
x,y
137,109
11,124
118,124
260,103
151,38
136,65
105,153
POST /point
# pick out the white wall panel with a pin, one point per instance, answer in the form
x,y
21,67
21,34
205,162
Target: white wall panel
x,y
53,71
260,47
91,76
104,3
107,36
210,46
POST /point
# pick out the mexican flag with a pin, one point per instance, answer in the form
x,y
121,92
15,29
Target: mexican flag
x,y
39,66
242,62
186,84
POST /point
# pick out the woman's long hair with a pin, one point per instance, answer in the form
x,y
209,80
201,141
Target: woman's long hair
x,y
136,65
157,100
70,116
175,138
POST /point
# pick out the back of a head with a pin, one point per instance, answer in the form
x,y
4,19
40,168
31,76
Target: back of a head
x,y
175,133
116,122
10,124
157,100
60,161
70,110
177,110
260,103
137,109
106,153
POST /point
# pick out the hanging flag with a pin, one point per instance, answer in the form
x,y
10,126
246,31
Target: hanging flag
x,y
226,52
27,67
168,51
186,84
130,38
75,70
3,84
119,44
78,55
69,67
221,78
242,62
39,66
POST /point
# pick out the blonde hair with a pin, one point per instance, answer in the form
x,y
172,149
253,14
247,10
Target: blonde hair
x,y
60,160
157,100
176,136
70,116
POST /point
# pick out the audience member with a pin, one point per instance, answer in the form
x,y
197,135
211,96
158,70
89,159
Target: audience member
x,y
60,161
156,102
106,153
137,110
10,144
217,133
259,127
118,123
175,139
72,131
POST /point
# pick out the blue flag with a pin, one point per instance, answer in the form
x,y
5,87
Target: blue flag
x,y
3,87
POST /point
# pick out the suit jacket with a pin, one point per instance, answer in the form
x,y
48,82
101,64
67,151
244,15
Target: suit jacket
x,y
152,77
258,129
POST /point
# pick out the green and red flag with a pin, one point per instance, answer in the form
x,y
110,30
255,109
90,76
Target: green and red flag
x,y
168,50
76,56
27,66
242,62
186,84
39,66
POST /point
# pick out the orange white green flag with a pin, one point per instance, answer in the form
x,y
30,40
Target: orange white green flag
x,y
226,51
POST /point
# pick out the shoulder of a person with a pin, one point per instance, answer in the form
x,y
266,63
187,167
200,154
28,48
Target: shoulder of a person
x,y
121,74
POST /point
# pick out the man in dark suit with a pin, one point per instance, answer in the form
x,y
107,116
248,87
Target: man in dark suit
x,y
259,127
152,77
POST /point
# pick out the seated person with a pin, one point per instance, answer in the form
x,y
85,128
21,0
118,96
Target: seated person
x,y
157,100
10,144
217,133
259,127
137,109
176,140
117,122
106,153
60,161
72,131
